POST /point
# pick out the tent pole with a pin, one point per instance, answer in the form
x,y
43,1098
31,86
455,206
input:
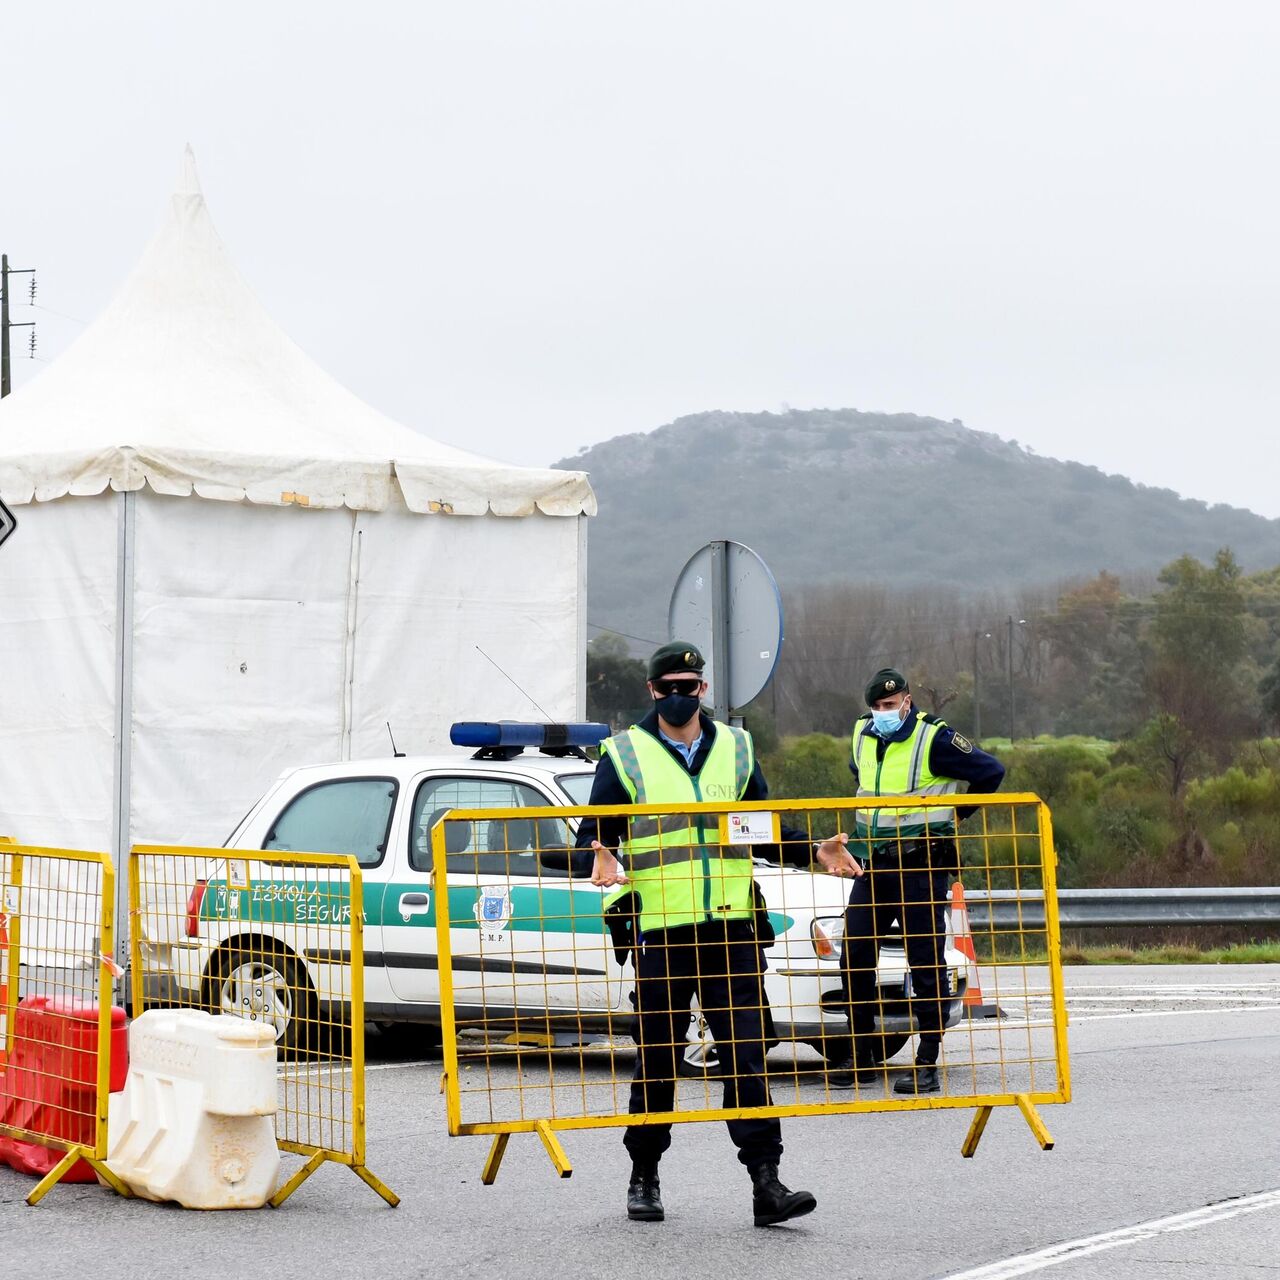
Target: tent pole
x,y
349,636
580,676
122,790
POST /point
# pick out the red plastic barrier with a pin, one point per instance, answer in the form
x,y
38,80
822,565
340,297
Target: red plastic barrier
x,y
49,1085
4,986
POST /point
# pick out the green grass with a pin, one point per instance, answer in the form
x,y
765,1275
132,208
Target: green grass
x,y
1248,953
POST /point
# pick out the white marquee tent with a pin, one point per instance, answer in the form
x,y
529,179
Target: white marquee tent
x,y
226,564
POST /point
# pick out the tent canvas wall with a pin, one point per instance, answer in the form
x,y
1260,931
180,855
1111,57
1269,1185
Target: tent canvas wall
x,y
226,564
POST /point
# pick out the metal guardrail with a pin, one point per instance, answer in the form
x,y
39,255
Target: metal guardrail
x,y
1098,908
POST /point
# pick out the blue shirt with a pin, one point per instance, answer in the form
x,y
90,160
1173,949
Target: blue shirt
x,y
607,789
686,751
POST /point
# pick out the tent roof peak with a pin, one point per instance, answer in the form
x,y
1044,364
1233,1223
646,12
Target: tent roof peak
x,y
186,384
188,178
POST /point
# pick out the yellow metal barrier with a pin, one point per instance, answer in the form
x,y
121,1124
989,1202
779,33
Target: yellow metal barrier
x,y
56,932
538,986
274,937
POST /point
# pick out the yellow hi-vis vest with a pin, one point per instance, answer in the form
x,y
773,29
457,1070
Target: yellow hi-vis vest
x,y
676,863
904,771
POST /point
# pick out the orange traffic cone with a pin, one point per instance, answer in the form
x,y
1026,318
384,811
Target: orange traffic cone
x,y
963,940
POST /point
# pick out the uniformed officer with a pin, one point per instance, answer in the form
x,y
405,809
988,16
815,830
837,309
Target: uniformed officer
x,y
695,904
903,859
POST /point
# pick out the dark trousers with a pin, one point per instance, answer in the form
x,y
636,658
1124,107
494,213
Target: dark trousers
x,y
719,961
917,899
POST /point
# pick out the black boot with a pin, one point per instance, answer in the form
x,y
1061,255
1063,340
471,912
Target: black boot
x,y
922,1078
774,1203
644,1198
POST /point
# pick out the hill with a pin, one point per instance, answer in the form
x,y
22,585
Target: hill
x,y
836,494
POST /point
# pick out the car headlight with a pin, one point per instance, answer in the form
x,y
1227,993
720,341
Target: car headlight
x,y
827,933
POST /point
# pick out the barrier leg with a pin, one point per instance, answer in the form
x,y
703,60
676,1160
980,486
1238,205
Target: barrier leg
x,y
54,1176
107,1176
554,1149
974,1136
1036,1125
496,1151
297,1180
372,1180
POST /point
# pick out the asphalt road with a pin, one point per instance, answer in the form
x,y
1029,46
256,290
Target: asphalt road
x,y
1162,1167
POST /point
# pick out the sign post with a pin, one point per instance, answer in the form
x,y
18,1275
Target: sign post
x,y
727,603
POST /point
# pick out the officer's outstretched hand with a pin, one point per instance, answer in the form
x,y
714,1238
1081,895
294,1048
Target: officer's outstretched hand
x,y
607,870
835,859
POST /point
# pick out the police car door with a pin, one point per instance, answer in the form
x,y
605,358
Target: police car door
x,y
522,934
351,815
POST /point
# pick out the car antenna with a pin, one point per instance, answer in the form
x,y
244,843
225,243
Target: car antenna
x,y
527,695
399,755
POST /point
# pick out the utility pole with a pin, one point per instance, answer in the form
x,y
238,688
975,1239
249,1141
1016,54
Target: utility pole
x,y
6,324
1011,679
1022,622
977,704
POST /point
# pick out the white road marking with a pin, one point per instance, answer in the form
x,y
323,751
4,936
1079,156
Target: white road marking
x,y
1026,1263
1170,999
1037,1021
1172,1013
1177,986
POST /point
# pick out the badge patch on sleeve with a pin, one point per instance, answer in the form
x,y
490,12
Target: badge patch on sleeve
x,y
961,743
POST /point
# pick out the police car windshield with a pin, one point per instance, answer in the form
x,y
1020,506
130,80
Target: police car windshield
x,y
577,785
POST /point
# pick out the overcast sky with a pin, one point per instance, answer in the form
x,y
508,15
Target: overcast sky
x,y
524,228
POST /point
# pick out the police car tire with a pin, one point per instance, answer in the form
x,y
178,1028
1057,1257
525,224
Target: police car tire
x,y
692,1071
893,1044
840,1048
302,1033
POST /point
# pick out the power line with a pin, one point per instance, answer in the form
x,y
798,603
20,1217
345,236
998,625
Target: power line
x,y
625,634
39,306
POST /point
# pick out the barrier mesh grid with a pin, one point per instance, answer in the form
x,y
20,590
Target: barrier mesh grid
x,y
274,938
57,1023
564,1009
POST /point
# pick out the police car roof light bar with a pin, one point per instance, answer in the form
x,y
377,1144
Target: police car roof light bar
x,y
507,738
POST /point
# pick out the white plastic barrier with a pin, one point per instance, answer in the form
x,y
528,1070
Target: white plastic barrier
x,y
195,1122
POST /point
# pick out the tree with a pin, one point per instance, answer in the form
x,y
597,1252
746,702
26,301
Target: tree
x,y
1269,694
935,695
1167,750
1200,616
815,765
1198,638
1095,671
615,682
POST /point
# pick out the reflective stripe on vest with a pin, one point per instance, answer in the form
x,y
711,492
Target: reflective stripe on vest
x,y
675,862
904,771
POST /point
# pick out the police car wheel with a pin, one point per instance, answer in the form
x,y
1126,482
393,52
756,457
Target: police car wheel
x,y
840,1048
832,1048
269,986
892,1045
695,1063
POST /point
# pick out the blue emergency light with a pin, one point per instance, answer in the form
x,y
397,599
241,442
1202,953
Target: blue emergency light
x,y
515,734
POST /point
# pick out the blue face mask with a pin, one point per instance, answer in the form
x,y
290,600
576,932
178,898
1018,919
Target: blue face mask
x,y
887,723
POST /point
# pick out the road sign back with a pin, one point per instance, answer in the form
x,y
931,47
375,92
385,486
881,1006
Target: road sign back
x,y
7,523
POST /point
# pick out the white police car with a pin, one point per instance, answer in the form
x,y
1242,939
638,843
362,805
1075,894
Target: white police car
x,y
382,812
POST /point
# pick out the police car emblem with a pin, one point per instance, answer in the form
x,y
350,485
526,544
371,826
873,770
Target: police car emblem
x,y
961,743
493,907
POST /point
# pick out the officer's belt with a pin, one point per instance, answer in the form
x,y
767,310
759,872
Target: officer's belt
x,y
913,855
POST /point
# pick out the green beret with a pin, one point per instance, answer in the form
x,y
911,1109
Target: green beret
x,y
885,683
679,655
